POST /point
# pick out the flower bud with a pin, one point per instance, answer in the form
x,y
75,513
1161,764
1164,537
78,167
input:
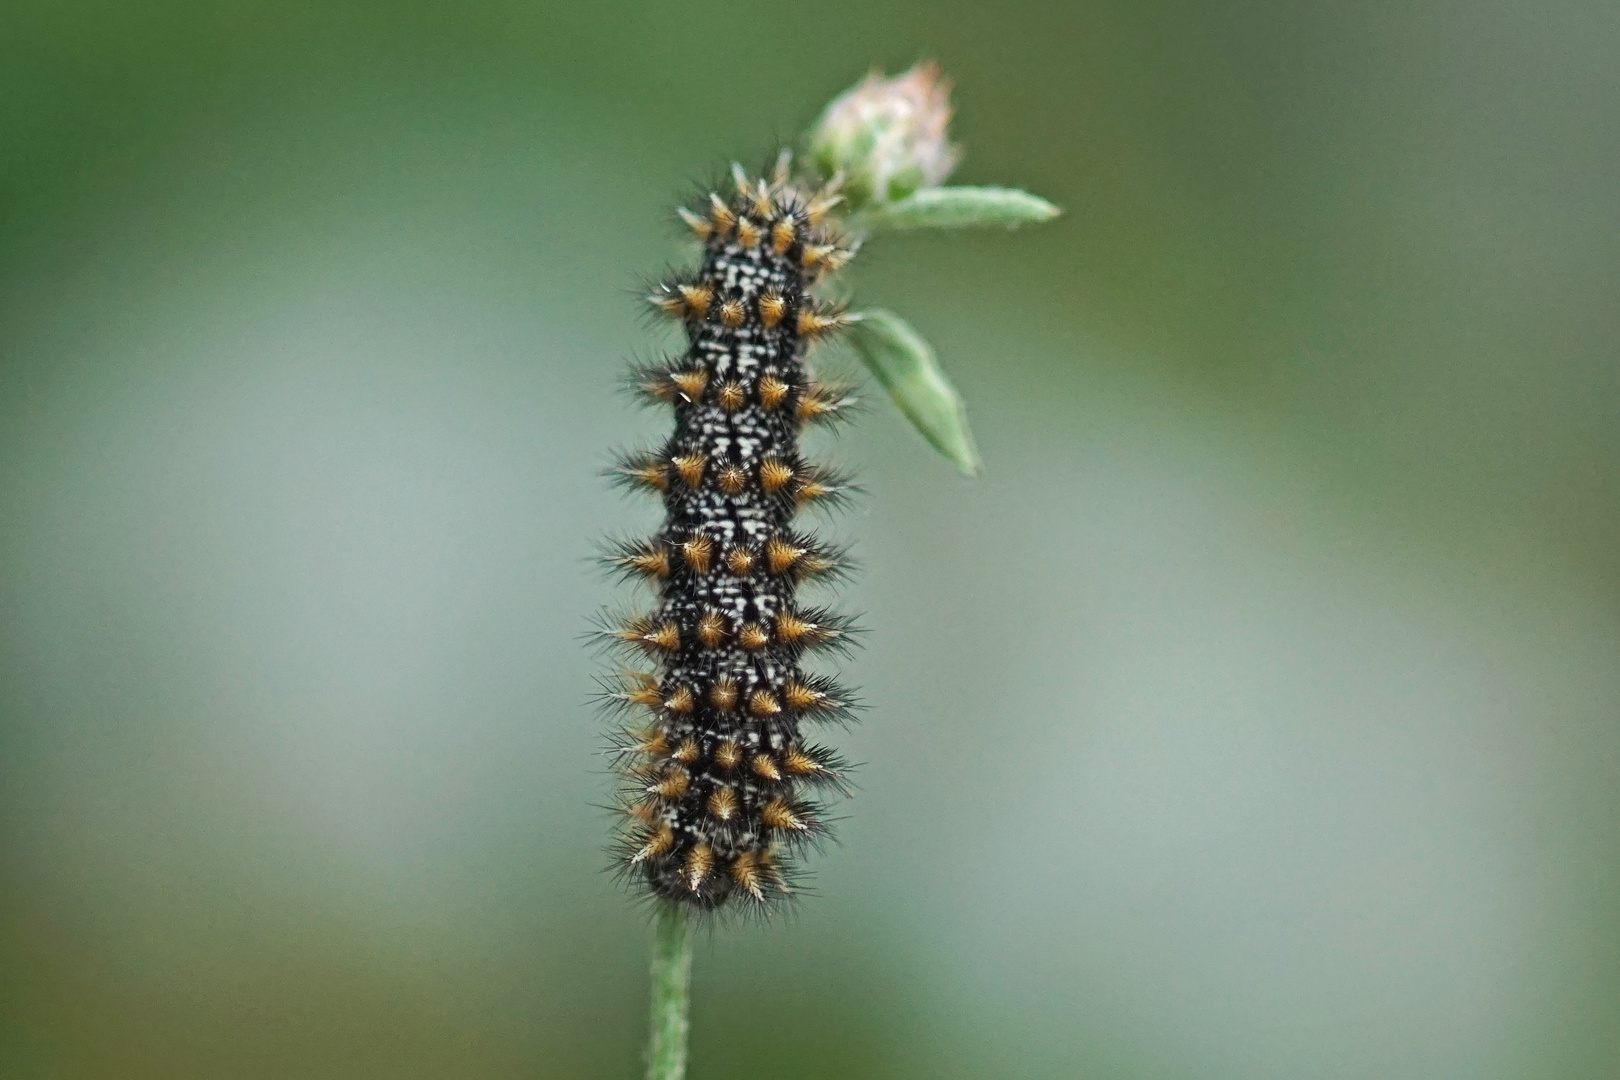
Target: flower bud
x,y
887,136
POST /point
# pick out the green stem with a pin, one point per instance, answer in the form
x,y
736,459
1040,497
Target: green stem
x,y
671,979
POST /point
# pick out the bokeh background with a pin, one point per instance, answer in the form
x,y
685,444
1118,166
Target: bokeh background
x,y
1255,714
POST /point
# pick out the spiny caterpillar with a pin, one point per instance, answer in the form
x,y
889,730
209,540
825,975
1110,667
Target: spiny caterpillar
x,y
719,781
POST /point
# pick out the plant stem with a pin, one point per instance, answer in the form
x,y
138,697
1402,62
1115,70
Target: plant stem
x,y
671,979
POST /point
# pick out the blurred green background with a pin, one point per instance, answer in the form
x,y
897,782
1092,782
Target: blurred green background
x,y
1255,715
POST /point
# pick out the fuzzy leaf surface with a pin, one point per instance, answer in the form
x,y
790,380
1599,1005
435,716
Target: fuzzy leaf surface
x,y
959,207
903,361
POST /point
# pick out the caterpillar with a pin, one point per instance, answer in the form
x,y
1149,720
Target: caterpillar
x,y
721,791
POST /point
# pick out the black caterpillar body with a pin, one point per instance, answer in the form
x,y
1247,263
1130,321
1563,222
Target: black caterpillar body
x,y
720,783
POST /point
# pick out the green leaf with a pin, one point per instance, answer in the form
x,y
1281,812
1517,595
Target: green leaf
x,y
904,363
956,207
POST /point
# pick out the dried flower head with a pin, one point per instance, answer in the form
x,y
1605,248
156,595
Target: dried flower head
x,y
887,136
